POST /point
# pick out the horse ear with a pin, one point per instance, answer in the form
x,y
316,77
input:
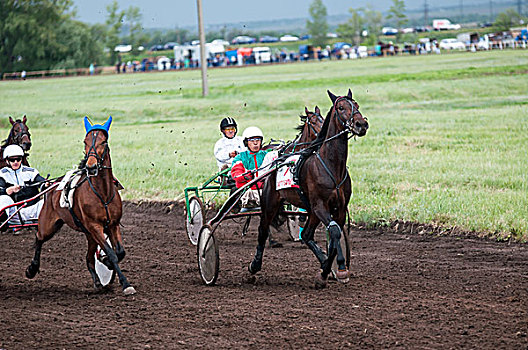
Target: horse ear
x,y
349,94
11,120
317,110
87,124
332,96
305,110
25,119
106,125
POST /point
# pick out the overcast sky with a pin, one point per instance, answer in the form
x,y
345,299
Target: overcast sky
x,y
173,13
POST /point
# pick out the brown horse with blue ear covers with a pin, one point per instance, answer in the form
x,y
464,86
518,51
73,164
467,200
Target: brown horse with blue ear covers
x,y
324,188
96,209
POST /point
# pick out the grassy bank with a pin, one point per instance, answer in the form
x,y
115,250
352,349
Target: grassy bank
x,y
447,143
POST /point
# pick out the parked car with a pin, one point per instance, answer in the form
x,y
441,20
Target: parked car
x,y
243,39
170,45
220,42
123,48
288,37
389,31
422,29
452,44
157,48
408,30
268,39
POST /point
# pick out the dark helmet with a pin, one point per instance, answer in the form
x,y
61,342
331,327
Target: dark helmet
x,y
228,121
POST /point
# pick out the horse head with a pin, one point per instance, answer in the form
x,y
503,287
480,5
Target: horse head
x,y
96,150
19,134
313,121
347,111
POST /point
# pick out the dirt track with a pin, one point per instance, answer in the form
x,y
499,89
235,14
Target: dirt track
x,y
407,291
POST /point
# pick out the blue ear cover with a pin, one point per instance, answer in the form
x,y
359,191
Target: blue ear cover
x,y
105,127
87,125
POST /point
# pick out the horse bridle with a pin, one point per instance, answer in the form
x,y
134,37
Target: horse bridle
x,y
311,126
92,152
17,137
346,123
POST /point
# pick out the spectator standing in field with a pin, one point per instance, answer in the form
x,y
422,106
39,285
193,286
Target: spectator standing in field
x,y
91,69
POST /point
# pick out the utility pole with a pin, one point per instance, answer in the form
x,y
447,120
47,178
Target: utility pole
x,y
519,7
491,11
203,61
461,10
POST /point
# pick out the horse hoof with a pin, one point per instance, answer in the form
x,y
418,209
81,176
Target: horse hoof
x,y
129,291
253,269
343,276
30,272
320,282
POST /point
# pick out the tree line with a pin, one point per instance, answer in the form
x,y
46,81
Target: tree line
x,y
44,34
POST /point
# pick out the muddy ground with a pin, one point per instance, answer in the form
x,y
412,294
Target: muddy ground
x,y
407,291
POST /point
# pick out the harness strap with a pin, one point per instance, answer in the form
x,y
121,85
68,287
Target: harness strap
x,y
102,201
330,173
76,219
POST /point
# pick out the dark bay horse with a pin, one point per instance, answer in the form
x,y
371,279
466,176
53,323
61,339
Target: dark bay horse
x,y
96,209
325,188
18,135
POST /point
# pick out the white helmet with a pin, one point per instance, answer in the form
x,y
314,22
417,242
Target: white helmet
x,y
13,151
252,131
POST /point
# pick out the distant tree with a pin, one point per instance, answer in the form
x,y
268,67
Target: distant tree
x,y
135,34
318,26
373,20
37,35
396,12
352,29
76,46
114,23
507,19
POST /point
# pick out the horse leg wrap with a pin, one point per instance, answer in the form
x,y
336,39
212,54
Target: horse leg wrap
x,y
34,267
112,257
321,256
256,264
95,278
120,252
334,230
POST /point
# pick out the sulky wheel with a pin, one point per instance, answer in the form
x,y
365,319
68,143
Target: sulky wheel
x,y
106,276
195,218
208,256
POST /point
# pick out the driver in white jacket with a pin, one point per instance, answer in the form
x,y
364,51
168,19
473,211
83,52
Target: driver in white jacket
x,y
15,181
229,146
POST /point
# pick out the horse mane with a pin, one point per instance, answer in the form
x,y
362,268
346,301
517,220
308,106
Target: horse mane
x,y
300,127
5,142
324,130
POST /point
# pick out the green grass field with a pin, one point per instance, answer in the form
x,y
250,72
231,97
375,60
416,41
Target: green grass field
x,y
447,142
